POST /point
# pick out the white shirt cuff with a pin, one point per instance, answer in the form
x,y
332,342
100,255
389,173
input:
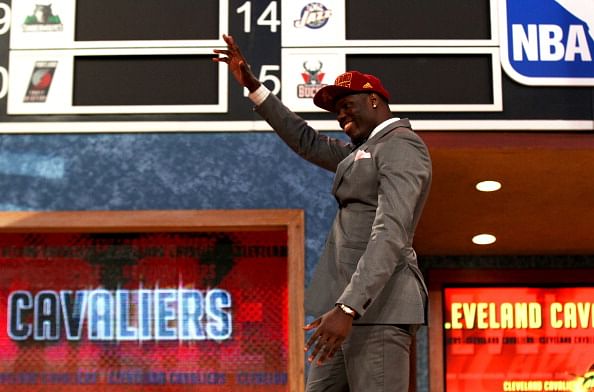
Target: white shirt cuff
x,y
259,95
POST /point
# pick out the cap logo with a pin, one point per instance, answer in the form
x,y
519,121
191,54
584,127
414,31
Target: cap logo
x,y
367,85
344,80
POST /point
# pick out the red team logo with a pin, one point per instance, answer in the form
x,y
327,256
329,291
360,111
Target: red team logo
x,y
312,77
41,80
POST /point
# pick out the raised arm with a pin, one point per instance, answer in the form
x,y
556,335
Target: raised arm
x,y
318,149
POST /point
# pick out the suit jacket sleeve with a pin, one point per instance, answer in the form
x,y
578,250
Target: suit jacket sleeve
x,y
319,149
404,175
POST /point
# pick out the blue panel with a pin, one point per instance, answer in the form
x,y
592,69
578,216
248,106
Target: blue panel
x,y
165,171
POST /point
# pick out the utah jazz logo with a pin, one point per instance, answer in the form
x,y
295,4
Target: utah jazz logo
x,y
313,16
548,42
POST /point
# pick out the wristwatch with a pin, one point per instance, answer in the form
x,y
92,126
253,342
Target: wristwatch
x,y
347,310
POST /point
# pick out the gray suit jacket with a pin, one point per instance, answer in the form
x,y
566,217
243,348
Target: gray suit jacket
x,y
368,262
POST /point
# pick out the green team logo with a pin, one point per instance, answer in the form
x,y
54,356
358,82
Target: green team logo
x,y
43,19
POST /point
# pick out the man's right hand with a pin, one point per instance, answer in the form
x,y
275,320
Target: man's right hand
x,y
238,65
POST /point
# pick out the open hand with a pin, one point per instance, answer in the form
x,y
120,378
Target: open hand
x,y
238,65
332,329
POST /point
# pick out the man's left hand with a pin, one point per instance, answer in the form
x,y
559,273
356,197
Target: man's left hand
x,y
332,329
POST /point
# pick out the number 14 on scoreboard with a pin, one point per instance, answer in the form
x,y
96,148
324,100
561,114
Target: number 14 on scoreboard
x,y
268,17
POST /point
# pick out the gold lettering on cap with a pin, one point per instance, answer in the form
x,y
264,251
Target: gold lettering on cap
x,y
344,80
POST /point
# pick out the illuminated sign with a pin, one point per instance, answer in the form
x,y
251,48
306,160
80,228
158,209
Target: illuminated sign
x,y
120,315
163,310
518,338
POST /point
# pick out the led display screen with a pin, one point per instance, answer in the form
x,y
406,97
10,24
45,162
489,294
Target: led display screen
x,y
518,338
113,20
144,80
144,311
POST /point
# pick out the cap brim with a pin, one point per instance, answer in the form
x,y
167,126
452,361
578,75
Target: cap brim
x,y
327,96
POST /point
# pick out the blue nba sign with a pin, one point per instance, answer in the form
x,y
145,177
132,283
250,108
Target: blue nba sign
x,y
548,42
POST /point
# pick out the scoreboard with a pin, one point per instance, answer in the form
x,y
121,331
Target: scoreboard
x,y
83,65
85,57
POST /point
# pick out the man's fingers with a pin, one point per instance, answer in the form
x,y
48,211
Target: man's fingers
x,y
228,39
325,351
230,43
312,325
318,347
221,59
311,341
323,355
223,55
324,348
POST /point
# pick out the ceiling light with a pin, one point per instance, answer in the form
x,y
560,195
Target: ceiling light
x,y
484,239
488,186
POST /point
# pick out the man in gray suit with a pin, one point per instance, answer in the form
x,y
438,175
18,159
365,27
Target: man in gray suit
x,y
367,291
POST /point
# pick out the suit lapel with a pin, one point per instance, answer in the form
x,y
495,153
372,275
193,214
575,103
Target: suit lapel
x,y
342,168
350,159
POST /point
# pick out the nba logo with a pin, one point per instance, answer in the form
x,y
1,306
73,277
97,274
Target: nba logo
x,y
548,42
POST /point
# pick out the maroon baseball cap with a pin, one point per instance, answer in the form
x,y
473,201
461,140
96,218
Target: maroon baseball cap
x,y
350,82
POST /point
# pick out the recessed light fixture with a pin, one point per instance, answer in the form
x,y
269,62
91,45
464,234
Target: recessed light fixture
x,y
488,186
484,239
